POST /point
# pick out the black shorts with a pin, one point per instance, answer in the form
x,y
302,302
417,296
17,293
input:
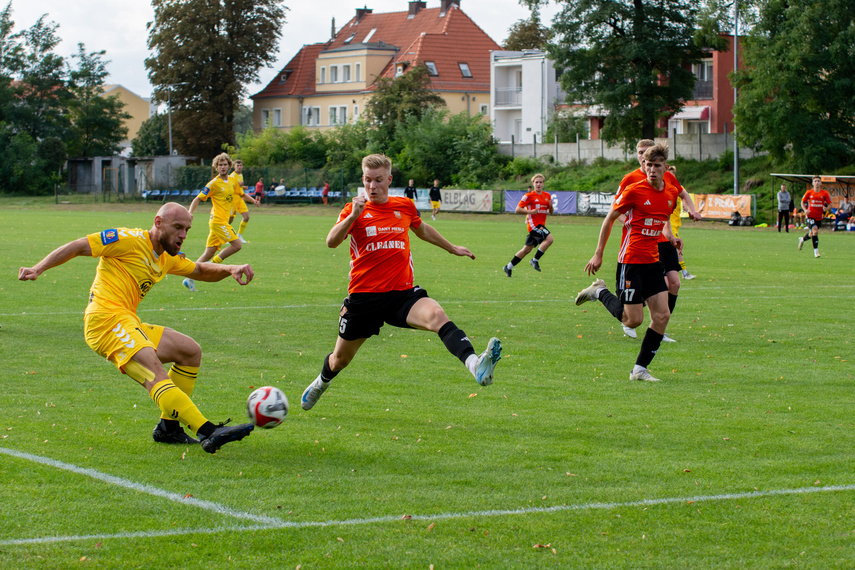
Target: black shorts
x,y
362,314
811,223
637,282
668,256
536,236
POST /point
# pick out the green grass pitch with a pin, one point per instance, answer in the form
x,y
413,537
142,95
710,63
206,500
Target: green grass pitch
x,y
740,457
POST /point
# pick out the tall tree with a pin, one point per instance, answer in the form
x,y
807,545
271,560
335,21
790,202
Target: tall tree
x,y
631,57
208,51
41,94
797,81
152,138
527,34
396,99
98,121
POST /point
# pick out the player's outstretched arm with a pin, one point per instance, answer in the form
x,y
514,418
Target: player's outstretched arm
x,y
689,205
57,257
596,260
211,272
338,233
430,234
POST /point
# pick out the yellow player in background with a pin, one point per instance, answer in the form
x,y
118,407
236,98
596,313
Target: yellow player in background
x,y
220,190
239,202
131,262
676,221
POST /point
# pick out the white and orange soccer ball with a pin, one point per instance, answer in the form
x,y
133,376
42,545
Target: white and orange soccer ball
x,y
267,407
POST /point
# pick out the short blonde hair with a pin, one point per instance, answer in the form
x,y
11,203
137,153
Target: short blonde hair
x,y
644,143
377,161
656,152
538,175
217,159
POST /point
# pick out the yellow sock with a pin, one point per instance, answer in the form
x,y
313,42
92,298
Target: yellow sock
x,y
242,227
217,259
185,378
683,265
176,405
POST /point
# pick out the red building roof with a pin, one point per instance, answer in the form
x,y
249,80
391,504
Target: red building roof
x,y
446,38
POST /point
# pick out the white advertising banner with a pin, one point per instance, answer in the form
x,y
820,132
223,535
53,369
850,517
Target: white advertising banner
x,y
467,200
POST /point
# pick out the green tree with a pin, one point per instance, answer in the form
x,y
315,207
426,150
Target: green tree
x,y
796,84
631,57
243,119
527,34
98,121
40,97
456,149
396,99
566,126
209,51
153,137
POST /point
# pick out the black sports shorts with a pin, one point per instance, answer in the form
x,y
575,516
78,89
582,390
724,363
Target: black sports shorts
x,y
639,281
362,314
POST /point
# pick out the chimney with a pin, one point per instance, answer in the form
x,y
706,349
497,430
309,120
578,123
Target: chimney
x,y
332,31
360,12
415,6
446,5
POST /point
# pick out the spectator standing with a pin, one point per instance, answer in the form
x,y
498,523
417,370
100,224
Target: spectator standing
x,y
784,201
435,199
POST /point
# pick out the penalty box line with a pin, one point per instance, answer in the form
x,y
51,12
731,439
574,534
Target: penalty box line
x,y
270,523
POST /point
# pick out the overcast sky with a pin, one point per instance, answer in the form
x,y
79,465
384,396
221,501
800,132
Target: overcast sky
x,y
120,28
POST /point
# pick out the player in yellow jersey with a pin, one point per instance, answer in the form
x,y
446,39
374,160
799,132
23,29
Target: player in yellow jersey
x,y
676,222
132,261
239,201
221,192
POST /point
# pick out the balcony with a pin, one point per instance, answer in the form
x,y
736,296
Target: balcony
x,y
703,90
508,97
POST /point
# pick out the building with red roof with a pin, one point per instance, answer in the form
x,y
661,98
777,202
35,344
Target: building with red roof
x,y
328,84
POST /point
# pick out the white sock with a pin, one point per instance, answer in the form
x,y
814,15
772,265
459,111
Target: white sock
x,y
472,363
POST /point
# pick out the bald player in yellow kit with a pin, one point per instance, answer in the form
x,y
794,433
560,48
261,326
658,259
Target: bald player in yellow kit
x,y
131,262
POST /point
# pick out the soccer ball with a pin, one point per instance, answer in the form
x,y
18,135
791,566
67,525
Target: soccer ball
x,y
267,407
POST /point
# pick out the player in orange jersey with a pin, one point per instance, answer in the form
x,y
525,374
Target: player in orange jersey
x,y
131,262
535,205
667,254
647,205
381,286
815,203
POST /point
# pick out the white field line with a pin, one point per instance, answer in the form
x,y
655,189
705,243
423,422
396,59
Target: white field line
x,y
684,292
269,523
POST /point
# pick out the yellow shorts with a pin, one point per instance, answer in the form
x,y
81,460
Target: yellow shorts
x,y
117,337
220,233
675,229
238,206
435,204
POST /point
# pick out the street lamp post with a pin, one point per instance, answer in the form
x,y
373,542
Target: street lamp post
x,y
169,87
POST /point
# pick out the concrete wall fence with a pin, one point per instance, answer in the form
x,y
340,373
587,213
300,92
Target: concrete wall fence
x,y
689,146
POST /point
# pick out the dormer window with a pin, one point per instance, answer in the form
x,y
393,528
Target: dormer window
x,y
350,39
368,37
464,69
431,68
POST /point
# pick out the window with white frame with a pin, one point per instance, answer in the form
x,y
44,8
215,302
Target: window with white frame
x,y
323,75
355,113
485,109
333,74
265,117
277,118
431,68
342,115
312,116
358,72
464,69
345,73
333,113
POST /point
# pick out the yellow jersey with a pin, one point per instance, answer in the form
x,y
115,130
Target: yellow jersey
x,y
675,216
128,269
221,192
